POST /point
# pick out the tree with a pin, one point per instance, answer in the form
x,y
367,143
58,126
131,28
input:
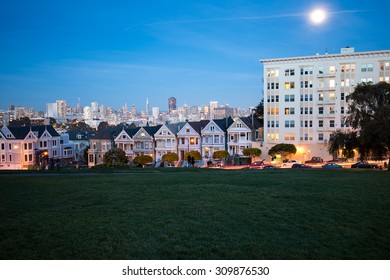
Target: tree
x,y
102,126
195,154
369,114
85,154
344,141
252,152
282,149
170,158
142,160
115,156
80,126
259,111
221,154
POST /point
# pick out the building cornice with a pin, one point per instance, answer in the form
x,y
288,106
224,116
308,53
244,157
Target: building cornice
x,y
314,58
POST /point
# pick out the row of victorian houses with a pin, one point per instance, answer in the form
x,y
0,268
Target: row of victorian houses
x,y
206,137
40,146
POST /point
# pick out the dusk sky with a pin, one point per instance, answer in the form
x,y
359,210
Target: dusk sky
x,y
117,52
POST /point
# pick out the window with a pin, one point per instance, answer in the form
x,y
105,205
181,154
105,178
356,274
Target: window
x,y
212,128
272,85
30,157
54,143
306,84
320,70
289,123
123,136
320,110
331,97
320,123
289,111
306,71
216,139
54,153
289,136
30,146
342,110
2,146
272,73
331,123
321,97
289,98
331,110
289,85
289,72
332,83
342,96
2,157
320,136
332,69
25,147
25,158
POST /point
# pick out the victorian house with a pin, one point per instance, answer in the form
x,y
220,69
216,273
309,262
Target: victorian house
x,y
245,132
125,141
25,146
214,136
189,138
165,139
144,143
102,142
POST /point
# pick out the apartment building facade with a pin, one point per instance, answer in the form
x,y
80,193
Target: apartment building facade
x,y
305,98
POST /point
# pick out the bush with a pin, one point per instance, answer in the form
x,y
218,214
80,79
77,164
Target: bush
x,y
142,160
220,154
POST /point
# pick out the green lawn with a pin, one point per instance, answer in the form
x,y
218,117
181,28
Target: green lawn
x,y
196,214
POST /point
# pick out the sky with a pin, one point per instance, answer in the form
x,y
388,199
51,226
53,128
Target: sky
x,y
117,52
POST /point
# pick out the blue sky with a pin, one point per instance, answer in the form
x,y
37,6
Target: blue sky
x,y
117,52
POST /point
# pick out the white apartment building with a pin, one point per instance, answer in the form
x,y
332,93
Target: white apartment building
x,y
305,97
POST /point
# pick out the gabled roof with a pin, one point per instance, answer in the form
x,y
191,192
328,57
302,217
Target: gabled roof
x,y
252,123
132,131
151,130
80,135
175,127
199,125
20,132
224,123
109,133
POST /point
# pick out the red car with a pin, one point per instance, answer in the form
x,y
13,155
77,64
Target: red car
x,y
256,165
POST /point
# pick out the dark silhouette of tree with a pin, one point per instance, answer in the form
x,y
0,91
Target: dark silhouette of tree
x,y
259,111
102,126
345,142
115,156
369,114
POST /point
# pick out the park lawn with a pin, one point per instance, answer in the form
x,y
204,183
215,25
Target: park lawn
x,y
196,214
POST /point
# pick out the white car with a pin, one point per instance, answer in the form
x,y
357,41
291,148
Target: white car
x,y
290,163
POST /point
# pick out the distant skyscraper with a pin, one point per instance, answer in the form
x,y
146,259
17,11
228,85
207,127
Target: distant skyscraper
x,y
51,110
133,110
213,105
61,109
147,107
155,112
171,104
95,107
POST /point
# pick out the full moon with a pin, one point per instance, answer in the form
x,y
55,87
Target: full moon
x,y
317,16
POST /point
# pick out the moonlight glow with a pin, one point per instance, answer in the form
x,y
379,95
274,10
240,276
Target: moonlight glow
x,y
317,16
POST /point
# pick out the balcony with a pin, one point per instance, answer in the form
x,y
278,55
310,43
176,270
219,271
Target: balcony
x,y
327,88
325,116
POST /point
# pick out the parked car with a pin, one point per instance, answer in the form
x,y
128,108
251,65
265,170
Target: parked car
x,y
300,165
332,165
269,166
314,160
256,165
289,163
364,165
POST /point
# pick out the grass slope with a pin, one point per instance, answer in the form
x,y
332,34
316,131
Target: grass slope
x,y
196,214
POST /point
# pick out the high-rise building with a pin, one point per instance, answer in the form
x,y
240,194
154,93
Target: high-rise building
x,y
155,112
51,110
305,97
61,109
171,104
147,107
133,110
213,105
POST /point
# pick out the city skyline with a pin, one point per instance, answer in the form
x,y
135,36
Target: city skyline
x,y
197,52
